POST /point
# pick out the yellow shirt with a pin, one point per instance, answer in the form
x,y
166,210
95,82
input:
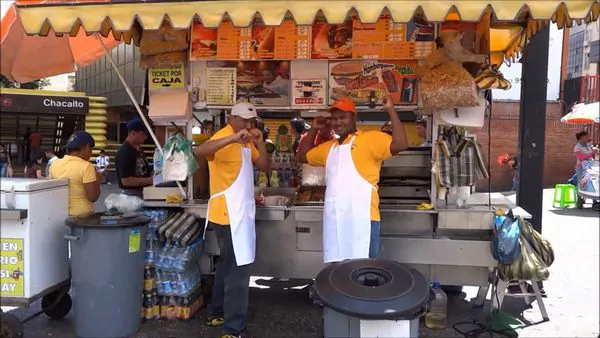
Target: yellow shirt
x,y
78,171
369,149
224,167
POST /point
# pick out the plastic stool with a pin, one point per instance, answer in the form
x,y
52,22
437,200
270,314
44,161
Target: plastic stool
x,y
565,195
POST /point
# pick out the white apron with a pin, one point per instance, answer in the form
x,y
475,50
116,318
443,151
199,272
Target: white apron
x,y
241,207
347,213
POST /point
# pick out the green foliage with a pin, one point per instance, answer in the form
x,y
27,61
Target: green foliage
x,y
38,84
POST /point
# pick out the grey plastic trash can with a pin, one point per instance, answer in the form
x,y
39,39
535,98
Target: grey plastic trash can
x,y
107,265
370,298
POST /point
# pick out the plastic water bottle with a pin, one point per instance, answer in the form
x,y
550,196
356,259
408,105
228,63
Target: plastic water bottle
x,y
437,316
157,163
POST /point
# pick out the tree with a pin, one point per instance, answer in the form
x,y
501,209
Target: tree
x,y
37,84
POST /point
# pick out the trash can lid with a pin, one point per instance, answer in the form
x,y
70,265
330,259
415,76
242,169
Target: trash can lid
x,y
108,219
372,289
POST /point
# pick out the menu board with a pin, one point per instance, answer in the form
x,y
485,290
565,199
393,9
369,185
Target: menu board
x,y
331,41
203,42
309,93
261,83
292,41
234,43
221,86
363,81
388,40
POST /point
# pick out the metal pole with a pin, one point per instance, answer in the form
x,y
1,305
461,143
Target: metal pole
x,y
532,127
136,105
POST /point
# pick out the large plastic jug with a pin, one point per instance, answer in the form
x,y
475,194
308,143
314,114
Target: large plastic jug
x,y
436,317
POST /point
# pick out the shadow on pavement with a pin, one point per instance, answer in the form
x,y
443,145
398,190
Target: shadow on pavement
x,y
585,212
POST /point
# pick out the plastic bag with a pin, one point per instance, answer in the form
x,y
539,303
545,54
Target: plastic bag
x,y
538,243
528,266
123,203
447,86
505,243
444,82
179,161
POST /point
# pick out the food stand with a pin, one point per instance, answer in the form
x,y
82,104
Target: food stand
x,y
301,56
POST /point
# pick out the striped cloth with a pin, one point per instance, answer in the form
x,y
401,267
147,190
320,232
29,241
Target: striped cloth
x,y
459,161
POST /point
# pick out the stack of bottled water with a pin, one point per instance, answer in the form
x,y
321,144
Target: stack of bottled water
x,y
177,267
157,218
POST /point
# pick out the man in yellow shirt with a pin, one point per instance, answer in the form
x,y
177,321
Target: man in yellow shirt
x,y
84,183
351,221
231,153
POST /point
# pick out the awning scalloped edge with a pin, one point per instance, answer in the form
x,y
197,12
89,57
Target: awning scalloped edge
x,y
103,18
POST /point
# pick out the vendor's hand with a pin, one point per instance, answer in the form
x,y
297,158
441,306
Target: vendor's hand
x,y
320,123
388,102
256,136
242,136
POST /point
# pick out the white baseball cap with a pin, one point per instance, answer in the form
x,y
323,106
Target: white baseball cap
x,y
244,110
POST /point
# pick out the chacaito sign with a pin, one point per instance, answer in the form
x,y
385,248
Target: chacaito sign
x,y
170,77
38,104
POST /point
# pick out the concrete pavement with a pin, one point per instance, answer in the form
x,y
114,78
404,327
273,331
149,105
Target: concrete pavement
x,y
284,310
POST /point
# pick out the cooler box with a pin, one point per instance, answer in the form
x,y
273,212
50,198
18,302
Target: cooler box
x,y
35,256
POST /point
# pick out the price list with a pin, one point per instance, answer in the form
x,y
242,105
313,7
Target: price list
x,y
221,86
234,43
386,40
292,41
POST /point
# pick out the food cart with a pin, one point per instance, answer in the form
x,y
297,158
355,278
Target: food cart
x,y
291,57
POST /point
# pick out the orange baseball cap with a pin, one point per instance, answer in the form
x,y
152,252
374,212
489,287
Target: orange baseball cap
x,y
344,104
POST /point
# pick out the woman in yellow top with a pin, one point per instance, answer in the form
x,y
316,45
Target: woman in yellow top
x,y
84,183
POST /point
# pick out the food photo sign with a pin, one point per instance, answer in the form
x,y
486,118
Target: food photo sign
x,y
368,82
263,83
309,93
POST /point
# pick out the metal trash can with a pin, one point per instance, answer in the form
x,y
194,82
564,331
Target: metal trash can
x,y
107,265
371,298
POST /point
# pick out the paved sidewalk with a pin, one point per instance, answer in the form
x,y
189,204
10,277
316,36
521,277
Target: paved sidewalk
x,y
284,310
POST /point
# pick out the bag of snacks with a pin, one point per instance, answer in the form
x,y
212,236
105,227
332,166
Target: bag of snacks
x,y
163,60
444,82
166,39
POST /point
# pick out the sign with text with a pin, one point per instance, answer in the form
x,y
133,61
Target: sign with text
x,y
166,78
11,269
21,103
309,93
372,81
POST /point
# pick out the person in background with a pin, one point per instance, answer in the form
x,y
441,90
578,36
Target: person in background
x,y
325,134
26,145
208,127
84,182
51,157
421,127
35,143
299,128
5,163
352,163
387,128
133,171
33,169
232,152
102,163
583,152
514,163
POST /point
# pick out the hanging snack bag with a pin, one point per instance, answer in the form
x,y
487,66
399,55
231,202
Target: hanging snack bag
x,y
444,82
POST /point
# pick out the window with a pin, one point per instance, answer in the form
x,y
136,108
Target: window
x,y
575,55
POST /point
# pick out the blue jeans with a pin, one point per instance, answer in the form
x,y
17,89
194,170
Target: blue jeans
x,y
374,244
3,168
231,285
579,174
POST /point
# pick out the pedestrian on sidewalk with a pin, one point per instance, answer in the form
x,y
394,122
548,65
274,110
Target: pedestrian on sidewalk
x,y
102,163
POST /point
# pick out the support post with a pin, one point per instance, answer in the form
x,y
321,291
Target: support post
x,y
532,126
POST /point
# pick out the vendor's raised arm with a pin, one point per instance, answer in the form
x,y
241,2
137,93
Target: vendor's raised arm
x,y
399,139
209,148
262,161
